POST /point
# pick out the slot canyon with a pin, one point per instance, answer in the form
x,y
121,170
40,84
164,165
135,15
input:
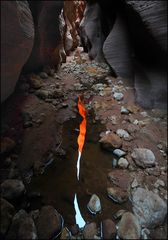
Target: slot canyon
x,y
83,119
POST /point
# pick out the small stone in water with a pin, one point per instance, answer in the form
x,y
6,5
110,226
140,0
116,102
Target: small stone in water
x,y
94,205
114,163
119,152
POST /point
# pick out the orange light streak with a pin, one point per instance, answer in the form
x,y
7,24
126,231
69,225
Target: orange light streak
x,y
82,129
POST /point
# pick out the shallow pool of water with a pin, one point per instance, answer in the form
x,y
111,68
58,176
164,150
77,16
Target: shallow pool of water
x,y
59,184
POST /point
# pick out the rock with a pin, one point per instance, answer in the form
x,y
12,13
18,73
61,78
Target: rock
x,y
65,234
34,214
35,81
108,229
94,205
132,128
123,163
119,213
144,114
143,157
27,229
134,183
74,229
17,30
159,183
49,223
12,189
124,110
7,144
135,122
90,231
113,119
47,41
114,162
133,109
123,134
117,194
43,75
128,227
120,178
15,226
43,94
118,96
119,152
7,212
110,141
150,209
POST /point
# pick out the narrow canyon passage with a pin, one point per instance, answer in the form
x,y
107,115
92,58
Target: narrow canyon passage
x,y
84,127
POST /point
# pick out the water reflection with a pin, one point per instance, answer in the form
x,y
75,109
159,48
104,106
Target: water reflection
x,y
78,217
78,165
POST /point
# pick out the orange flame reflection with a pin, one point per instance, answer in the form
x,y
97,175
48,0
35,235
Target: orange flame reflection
x,y
82,133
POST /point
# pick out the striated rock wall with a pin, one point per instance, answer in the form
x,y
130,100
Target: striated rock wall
x,y
47,34
73,14
132,37
17,35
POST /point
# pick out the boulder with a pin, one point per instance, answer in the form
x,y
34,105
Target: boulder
x,y
150,209
143,157
117,194
17,35
129,227
12,189
7,212
110,141
49,223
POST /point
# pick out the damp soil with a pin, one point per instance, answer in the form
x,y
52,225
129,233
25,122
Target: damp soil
x,y
58,184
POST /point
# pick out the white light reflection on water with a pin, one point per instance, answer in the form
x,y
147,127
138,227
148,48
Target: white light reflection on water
x,y
78,217
78,164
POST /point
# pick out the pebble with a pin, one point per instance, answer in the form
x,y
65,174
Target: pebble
x,y
134,183
114,163
150,209
43,75
12,189
144,114
159,183
129,227
119,152
119,213
123,134
123,163
143,157
94,205
135,122
124,110
113,119
118,96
